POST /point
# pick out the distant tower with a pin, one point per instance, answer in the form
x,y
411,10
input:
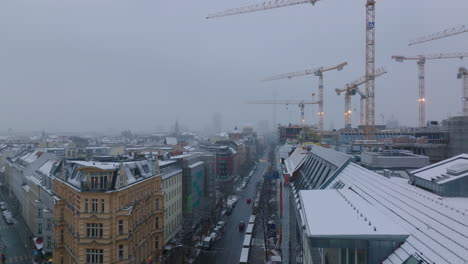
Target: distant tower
x,y
176,128
217,123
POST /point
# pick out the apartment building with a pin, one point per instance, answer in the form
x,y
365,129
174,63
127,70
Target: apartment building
x,y
108,212
171,174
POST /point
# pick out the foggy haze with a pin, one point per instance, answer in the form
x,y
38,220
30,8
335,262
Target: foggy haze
x,y
105,65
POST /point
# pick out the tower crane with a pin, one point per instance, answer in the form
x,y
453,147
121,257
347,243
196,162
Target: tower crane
x,y
421,61
317,72
300,103
351,89
463,74
441,34
370,48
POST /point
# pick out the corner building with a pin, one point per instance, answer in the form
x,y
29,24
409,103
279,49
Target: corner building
x,y
108,212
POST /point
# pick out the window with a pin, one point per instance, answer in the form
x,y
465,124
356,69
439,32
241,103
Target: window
x,y
157,222
156,244
39,228
49,242
94,205
145,168
86,205
94,230
103,182
120,251
61,236
121,227
156,205
94,182
94,256
39,212
49,224
61,213
102,205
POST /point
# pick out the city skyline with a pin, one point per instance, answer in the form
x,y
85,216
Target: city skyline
x,y
115,65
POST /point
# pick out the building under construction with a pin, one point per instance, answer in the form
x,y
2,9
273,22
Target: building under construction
x,y
457,128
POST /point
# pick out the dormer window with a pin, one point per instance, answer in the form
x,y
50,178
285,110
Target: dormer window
x,y
98,181
145,168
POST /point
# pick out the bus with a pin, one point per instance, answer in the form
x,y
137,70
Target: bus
x,y
244,258
249,229
252,219
247,241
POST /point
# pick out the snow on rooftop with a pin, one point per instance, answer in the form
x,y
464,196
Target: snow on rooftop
x,y
166,162
97,164
444,171
171,173
437,229
30,157
344,215
47,167
171,141
295,160
195,164
183,156
334,157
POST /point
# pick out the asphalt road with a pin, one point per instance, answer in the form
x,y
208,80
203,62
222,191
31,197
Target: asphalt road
x,y
228,248
15,250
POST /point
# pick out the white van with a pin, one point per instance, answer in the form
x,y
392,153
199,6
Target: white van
x,y
207,243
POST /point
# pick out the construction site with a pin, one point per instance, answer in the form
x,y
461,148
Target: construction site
x,y
436,139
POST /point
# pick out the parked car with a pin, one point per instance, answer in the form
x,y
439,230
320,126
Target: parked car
x,y
221,225
241,226
3,206
213,236
207,243
8,217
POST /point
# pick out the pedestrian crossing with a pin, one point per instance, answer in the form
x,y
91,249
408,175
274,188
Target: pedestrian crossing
x,y
18,259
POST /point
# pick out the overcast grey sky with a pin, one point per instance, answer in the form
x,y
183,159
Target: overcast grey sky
x,y
113,64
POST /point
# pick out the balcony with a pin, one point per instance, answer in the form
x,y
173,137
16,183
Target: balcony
x,y
95,186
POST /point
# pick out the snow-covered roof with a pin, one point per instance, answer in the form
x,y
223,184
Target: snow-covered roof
x,y
343,214
30,157
96,164
183,156
437,229
195,164
171,141
334,157
295,160
133,170
444,171
47,167
170,173
233,151
166,162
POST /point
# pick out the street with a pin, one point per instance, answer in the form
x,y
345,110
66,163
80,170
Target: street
x,y
227,249
14,248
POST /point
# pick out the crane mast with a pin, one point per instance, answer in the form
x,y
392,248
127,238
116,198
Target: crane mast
x,y
351,89
370,50
319,73
421,62
463,74
370,70
441,34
